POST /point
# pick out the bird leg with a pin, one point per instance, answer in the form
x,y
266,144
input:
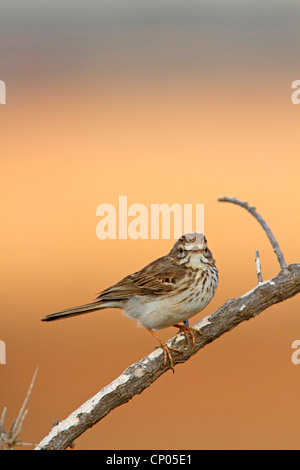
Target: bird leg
x,y
165,348
188,331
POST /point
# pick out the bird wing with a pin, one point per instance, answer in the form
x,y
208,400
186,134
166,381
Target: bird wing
x,y
157,278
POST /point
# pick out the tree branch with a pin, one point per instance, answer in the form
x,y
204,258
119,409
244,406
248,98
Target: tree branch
x,y
11,439
264,225
143,373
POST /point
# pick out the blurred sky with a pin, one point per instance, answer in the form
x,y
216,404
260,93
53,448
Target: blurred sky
x,y
164,102
152,39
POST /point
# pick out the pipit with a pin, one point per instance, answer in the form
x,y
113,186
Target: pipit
x,y
164,293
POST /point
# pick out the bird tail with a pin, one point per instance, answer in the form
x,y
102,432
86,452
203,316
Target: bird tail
x,y
71,312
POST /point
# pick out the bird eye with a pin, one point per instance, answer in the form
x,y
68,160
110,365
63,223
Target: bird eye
x,y
180,250
206,251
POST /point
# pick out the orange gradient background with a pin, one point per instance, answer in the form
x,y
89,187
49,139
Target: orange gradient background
x,y
78,132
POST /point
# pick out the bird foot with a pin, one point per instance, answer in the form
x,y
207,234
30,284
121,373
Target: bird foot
x,y
167,354
166,349
188,333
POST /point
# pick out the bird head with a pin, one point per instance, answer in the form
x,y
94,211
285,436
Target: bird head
x,y
191,250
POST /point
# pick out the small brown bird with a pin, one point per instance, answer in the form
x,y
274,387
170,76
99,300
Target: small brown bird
x,y
167,291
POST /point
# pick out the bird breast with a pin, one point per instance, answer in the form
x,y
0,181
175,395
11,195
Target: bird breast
x,y
185,301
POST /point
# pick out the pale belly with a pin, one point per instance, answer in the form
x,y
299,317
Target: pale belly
x,y
165,311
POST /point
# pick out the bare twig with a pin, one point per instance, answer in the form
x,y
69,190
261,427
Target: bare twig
x,y
3,417
258,269
266,228
142,374
11,439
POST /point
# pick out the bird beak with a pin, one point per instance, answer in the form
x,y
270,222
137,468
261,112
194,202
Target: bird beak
x,y
195,246
195,249
195,242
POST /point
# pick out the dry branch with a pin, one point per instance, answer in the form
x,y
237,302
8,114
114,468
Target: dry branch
x,y
142,374
264,225
11,439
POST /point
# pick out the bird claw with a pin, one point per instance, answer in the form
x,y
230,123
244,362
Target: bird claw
x,y
188,333
167,354
166,349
